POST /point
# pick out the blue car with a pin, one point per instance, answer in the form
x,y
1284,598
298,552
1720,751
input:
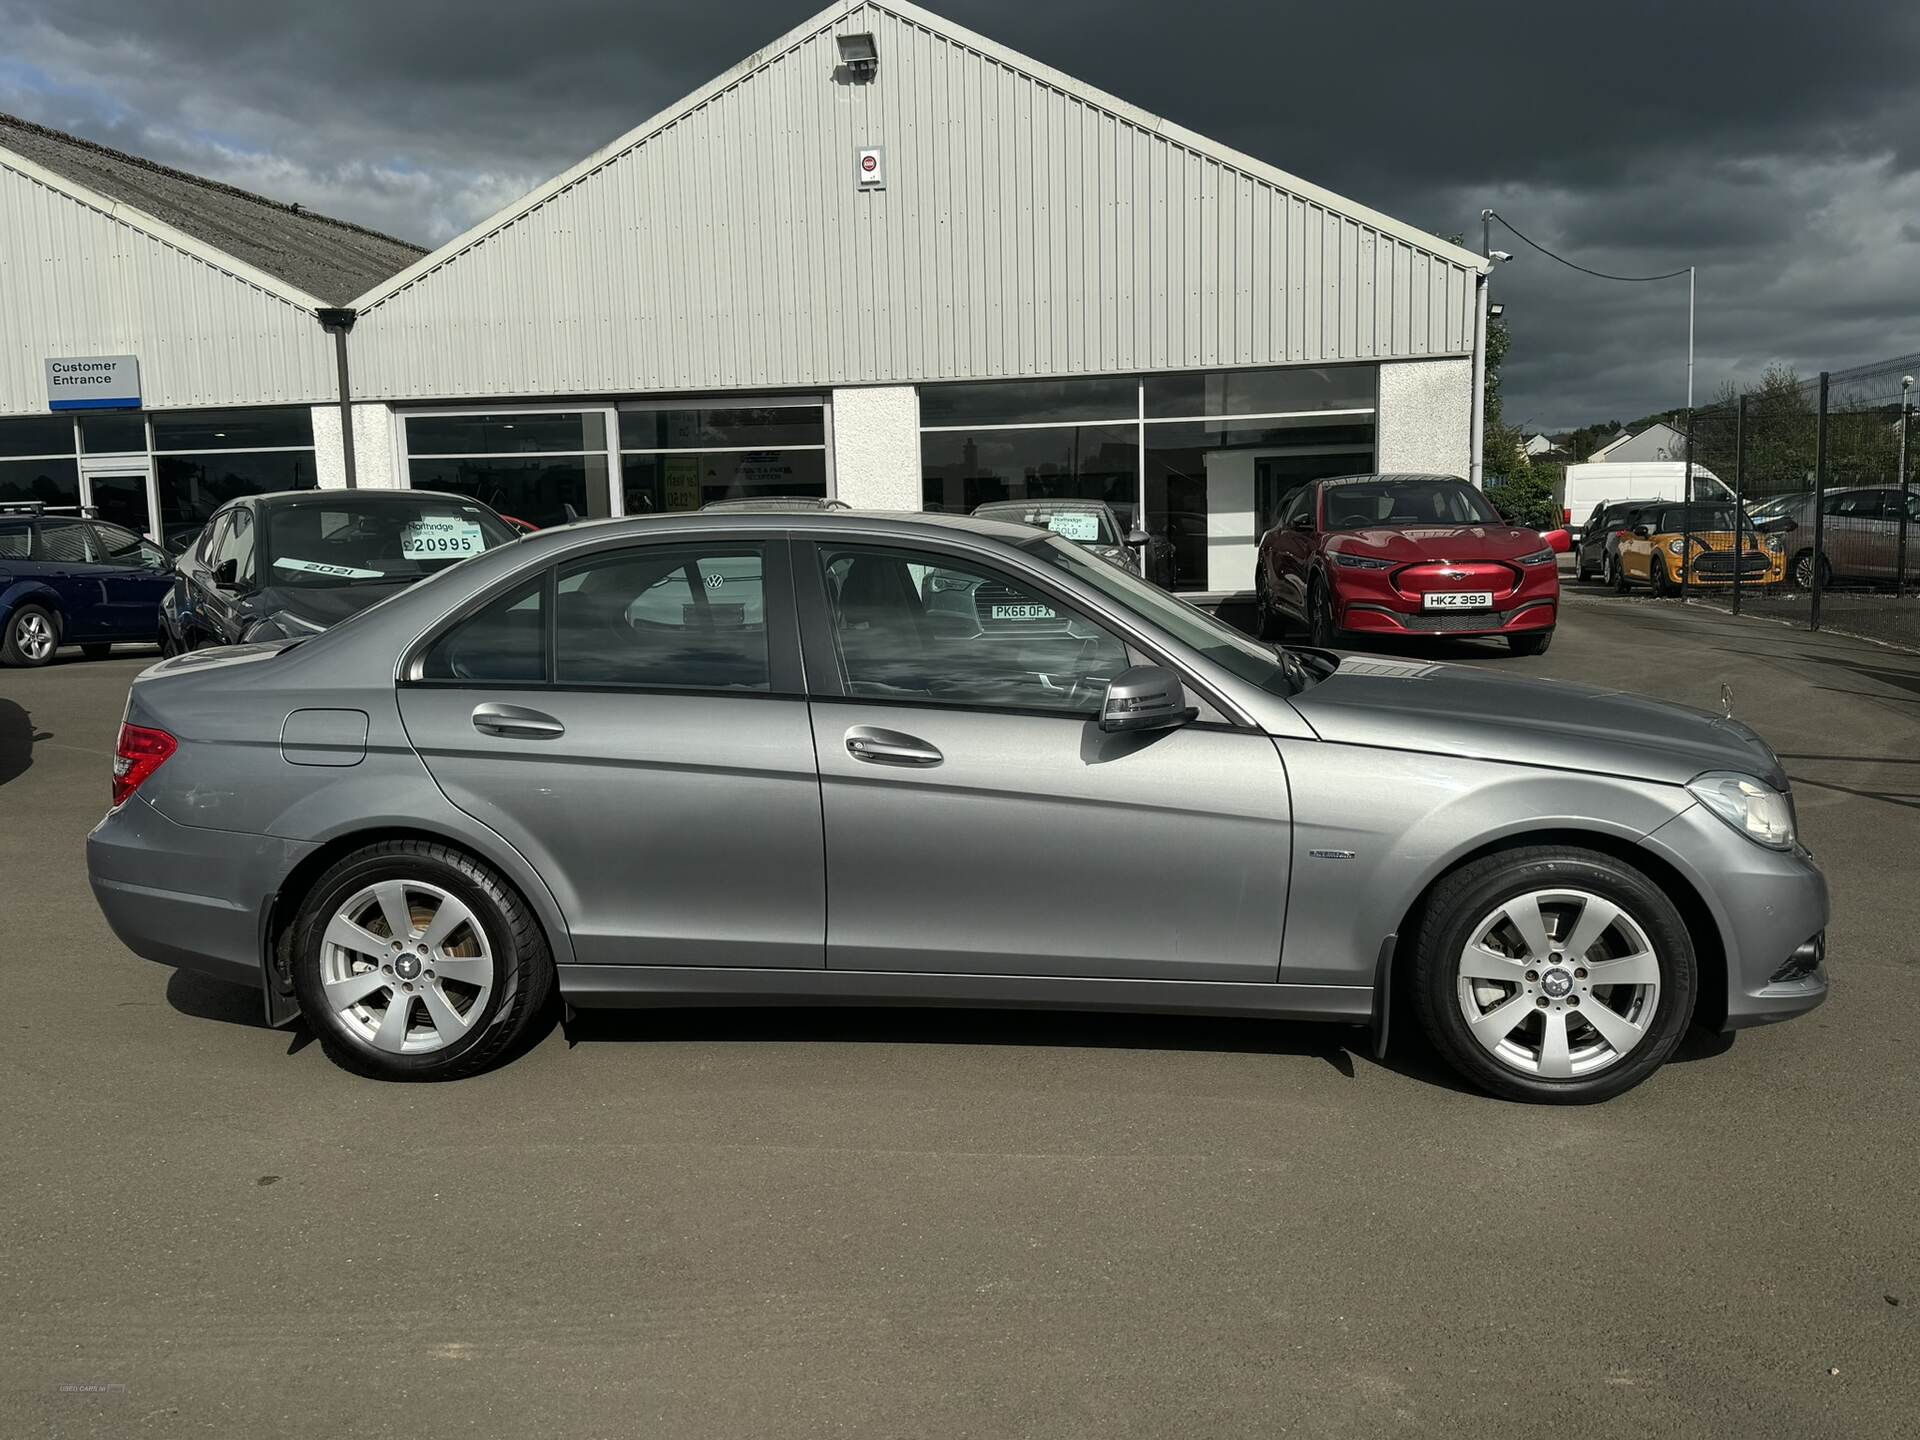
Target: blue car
x,y
69,580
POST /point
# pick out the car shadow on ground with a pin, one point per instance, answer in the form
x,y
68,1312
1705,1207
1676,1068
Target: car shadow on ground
x,y
17,739
1345,1048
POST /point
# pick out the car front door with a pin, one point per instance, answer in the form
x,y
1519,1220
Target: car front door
x,y
137,578
649,752
979,821
1291,548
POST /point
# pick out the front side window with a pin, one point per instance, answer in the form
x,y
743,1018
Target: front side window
x,y
1407,502
341,542
119,546
677,618
917,626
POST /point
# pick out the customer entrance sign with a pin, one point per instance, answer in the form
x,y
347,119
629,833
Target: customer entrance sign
x,y
93,382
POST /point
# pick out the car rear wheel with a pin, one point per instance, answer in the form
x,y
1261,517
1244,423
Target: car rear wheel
x,y
1807,567
1553,974
415,961
1616,577
33,634
1534,644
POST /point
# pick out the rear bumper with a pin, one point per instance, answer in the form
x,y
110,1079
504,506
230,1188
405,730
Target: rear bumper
x,y
183,896
1768,905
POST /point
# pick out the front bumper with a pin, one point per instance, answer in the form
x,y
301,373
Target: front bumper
x,y
1768,905
1372,617
185,896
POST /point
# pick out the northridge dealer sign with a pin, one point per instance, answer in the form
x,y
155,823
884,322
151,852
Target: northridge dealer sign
x,y
94,382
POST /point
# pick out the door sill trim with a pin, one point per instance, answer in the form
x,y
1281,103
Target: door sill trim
x,y
590,987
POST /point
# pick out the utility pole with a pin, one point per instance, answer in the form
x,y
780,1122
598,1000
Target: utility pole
x,y
1476,458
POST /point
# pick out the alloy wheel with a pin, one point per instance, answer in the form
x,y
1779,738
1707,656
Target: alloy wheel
x,y
406,967
33,636
1559,984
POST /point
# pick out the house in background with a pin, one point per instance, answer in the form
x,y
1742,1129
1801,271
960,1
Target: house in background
x,y
1659,441
1543,447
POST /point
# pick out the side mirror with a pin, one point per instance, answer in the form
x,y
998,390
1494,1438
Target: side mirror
x,y
1558,541
1138,539
1145,697
1303,522
226,575
1645,532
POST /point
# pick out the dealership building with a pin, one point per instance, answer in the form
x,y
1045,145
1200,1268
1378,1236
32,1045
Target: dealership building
x,y
882,259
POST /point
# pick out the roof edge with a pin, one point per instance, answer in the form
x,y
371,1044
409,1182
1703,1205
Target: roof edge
x,y
958,34
157,229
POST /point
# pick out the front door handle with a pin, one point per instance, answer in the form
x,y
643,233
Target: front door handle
x,y
889,747
516,722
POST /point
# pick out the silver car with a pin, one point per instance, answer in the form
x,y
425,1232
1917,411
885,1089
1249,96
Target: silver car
x,y
1866,534
718,759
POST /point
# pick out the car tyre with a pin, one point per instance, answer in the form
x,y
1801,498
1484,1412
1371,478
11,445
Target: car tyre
x,y
1657,575
1266,622
1321,630
1806,566
471,980
1582,570
1527,1044
1616,577
1532,644
32,636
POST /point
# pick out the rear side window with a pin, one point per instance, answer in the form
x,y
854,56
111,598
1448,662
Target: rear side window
x,y
15,541
505,643
64,542
684,618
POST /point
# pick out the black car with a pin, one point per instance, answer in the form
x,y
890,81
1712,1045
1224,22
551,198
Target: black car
x,y
278,567
72,580
1599,547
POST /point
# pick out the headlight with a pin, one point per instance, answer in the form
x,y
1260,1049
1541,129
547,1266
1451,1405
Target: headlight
x,y
1756,810
1678,547
1773,544
1360,562
1539,557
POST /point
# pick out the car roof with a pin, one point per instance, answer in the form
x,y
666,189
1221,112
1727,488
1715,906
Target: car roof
x,y
1388,477
927,524
1007,507
333,496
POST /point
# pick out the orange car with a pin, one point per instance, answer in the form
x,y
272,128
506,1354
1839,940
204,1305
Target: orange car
x,y
1669,543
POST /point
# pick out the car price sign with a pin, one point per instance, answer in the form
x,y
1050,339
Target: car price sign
x,y
441,537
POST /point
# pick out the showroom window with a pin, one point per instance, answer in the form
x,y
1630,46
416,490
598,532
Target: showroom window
x,y
545,467
204,458
37,461
680,454
1201,460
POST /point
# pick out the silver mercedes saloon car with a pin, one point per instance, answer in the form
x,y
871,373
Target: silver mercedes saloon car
x,y
845,758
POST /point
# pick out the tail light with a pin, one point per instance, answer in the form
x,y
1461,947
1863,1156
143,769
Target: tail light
x,y
1623,534
1566,517
140,752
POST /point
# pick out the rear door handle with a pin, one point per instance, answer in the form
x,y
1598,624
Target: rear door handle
x,y
889,747
516,722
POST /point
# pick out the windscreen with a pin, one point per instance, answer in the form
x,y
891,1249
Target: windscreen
x,y
1407,503
347,543
1674,519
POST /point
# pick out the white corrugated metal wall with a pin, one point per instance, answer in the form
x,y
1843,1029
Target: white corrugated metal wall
x,y
76,281
1026,229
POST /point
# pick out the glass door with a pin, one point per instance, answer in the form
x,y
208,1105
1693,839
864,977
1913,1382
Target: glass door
x,y
119,497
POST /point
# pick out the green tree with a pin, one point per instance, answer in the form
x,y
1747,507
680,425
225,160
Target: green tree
x,y
1526,499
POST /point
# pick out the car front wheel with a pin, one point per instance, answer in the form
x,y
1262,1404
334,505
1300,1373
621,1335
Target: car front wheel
x,y
415,961
1320,627
1553,974
1535,643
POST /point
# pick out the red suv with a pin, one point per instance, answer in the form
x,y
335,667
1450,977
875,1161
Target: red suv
x,y
1406,555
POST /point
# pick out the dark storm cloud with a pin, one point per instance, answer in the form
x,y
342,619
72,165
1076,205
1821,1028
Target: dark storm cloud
x,y
1776,145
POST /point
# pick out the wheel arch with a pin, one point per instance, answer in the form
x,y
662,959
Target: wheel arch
x,y
1703,928
32,592
281,908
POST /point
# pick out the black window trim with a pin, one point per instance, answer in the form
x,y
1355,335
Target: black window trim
x,y
822,654
785,674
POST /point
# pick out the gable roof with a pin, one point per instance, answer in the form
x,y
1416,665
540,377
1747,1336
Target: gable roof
x,y
320,257
961,36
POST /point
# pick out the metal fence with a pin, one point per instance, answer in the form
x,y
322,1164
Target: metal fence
x,y
1824,470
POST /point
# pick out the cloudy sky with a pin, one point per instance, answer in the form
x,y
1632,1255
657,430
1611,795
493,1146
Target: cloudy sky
x,y
1773,143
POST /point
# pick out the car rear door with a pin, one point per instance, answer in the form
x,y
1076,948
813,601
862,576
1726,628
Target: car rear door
x,y
65,551
635,723
978,820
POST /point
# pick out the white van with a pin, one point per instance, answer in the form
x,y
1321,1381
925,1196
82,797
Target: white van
x,y
1596,484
